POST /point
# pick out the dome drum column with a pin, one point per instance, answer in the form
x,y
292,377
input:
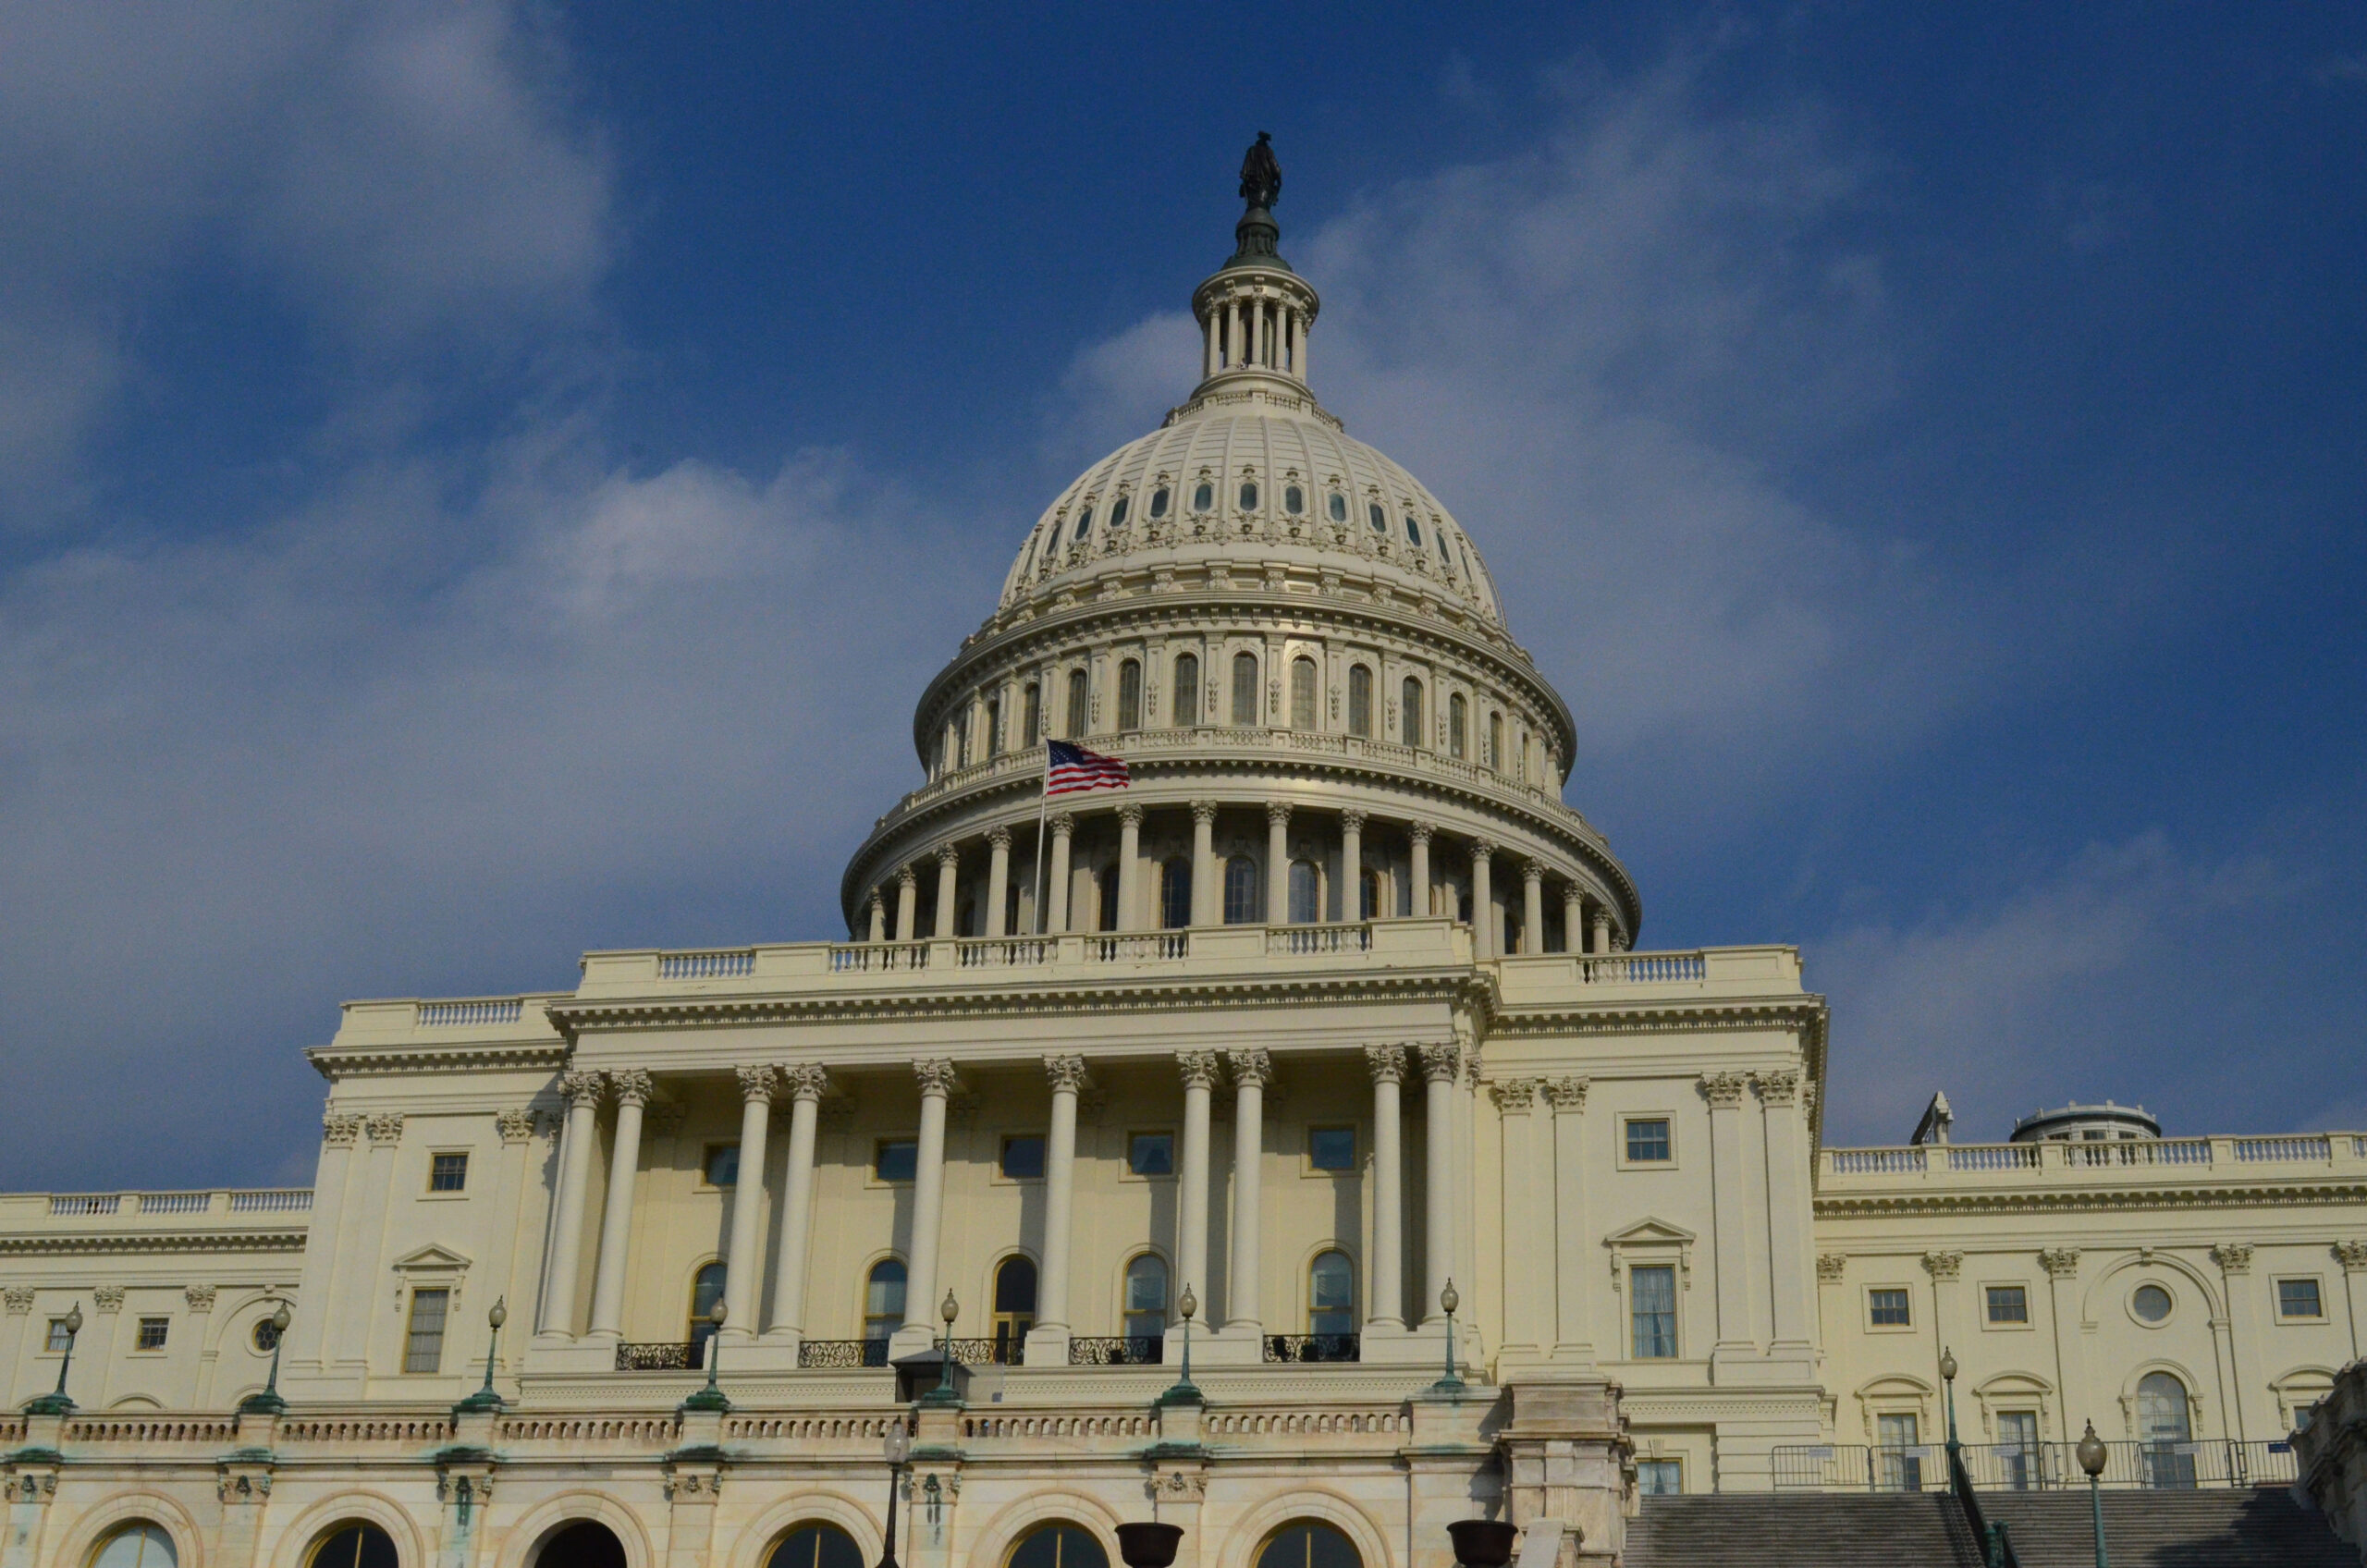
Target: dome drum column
x,y
1208,905
1483,912
1056,892
1418,837
1574,919
907,897
949,888
1278,862
1352,865
1532,907
1130,841
997,880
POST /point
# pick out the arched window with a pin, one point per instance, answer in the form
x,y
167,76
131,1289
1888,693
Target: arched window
x,y
1339,506
1331,1295
1159,502
1080,708
1240,891
1084,524
1412,531
1051,540
816,1546
1244,688
140,1545
1438,537
1014,1309
1175,894
2162,1426
1130,694
586,1543
1379,519
1360,700
1409,713
1204,497
1302,693
1249,495
355,1544
994,727
1369,895
1186,705
1306,1544
1306,893
1294,500
1058,1545
1031,714
883,1302
1496,742
1118,513
1458,721
706,1289
1146,1296
1106,884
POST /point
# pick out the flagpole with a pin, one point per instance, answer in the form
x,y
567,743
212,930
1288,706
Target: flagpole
x,y
1043,815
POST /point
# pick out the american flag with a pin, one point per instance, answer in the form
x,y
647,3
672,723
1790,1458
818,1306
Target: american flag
x,y
1071,770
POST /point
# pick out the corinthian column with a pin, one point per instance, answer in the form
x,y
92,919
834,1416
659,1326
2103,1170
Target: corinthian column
x,y
1352,865
1483,900
632,1088
1388,1303
1199,1069
1251,1070
1440,1065
1277,862
1208,906
743,1282
1130,849
582,1091
949,887
1047,1342
997,879
908,897
1574,919
928,1205
806,1083
1056,894
1532,907
1419,836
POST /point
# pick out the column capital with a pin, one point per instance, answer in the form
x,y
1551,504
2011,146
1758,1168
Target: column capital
x,y
631,1085
581,1086
2060,1263
1066,1073
1204,813
1514,1096
878,898
1944,1264
1354,820
1419,832
1252,1067
1724,1090
1830,1266
1131,814
1440,1061
907,878
1533,871
1566,1094
340,1129
1777,1088
806,1081
1386,1063
1277,812
1201,1070
756,1083
998,838
385,1129
1063,824
1482,849
937,1076
949,854
515,1125
2233,1258
2352,1256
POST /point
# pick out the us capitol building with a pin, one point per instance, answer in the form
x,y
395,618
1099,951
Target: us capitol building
x,y
1334,1016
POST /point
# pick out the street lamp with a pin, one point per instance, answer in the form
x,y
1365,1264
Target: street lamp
x,y
1183,1392
1451,1382
58,1404
485,1397
943,1393
268,1403
895,1446
711,1397
2092,1453
1948,1378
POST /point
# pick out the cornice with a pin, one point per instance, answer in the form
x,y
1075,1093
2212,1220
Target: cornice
x,y
91,1242
1649,1017
335,1062
2058,1200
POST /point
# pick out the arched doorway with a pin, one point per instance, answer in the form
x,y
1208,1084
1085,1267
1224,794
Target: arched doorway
x,y
1014,1309
1308,1543
2163,1424
816,1544
1058,1545
586,1543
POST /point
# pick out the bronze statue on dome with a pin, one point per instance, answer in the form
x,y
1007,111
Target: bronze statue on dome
x,y
1261,177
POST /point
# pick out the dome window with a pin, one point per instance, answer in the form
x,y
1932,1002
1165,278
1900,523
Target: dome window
x,y
1438,537
1249,495
1085,522
1204,497
1052,540
1159,502
1339,506
1294,500
1412,530
1118,513
1379,519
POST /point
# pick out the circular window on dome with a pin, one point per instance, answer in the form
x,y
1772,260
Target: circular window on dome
x,y
1118,512
1085,522
1294,500
1413,530
2150,1304
1339,506
1379,519
1249,495
1204,497
1159,502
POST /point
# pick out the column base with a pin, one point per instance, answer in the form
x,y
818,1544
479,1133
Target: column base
x,y
1048,1345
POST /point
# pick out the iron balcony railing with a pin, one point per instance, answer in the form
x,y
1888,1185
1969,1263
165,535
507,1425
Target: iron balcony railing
x,y
2045,1466
668,1355
1121,1350
842,1353
1311,1347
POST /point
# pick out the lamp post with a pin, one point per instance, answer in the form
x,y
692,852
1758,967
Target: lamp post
x,y
1450,1383
485,1397
268,1403
2092,1453
895,1446
711,1397
943,1393
1948,1380
1184,1393
56,1403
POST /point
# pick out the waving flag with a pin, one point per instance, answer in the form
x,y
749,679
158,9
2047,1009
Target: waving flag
x,y
1071,770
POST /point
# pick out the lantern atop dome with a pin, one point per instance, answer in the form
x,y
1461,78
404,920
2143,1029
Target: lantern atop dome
x,y
1255,312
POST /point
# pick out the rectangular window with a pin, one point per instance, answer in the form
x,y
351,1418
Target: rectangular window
x,y
1652,1309
2298,1298
1150,1154
2008,1304
424,1343
447,1174
1660,1477
896,1159
1886,1308
153,1331
720,1164
60,1337
1031,711
2017,1448
1901,1452
1022,1156
1648,1140
1332,1148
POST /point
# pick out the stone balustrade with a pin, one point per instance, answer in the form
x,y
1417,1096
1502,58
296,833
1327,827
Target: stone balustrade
x,y
2169,1160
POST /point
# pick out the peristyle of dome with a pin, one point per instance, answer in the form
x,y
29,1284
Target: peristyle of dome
x,y
1300,654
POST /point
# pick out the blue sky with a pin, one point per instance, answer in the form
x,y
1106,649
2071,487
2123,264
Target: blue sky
x,y
482,480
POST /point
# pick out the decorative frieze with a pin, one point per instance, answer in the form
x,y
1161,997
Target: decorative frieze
x,y
2060,1263
340,1129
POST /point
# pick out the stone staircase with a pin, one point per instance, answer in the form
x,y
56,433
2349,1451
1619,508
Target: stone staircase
x,y
2242,1528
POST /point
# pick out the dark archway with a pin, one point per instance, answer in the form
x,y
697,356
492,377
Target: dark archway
x,y
586,1543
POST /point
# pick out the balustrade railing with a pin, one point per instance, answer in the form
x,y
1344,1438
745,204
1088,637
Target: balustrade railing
x,y
733,963
1138,947
2302,1148
842,1353
1642,969
459,1015
1003,953
1121,1350
1296,941
877,958
272,1200
667,1355
2135,1151
84,1203
2044,1466
1312,1347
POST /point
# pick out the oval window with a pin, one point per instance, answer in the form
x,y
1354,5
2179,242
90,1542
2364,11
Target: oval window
x,y
1379,519
1159,502
1294,500
1204,497
1085,522
1118,513
1339,506
1249,495
1413,529
2150,1303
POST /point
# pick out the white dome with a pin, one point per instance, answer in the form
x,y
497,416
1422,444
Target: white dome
x,y
1254,447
